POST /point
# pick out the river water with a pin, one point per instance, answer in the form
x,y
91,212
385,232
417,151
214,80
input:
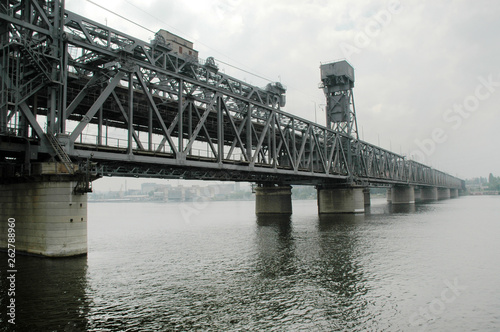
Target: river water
x,y
216,266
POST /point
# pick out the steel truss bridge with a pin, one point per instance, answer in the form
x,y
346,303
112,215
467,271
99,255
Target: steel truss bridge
x,y
107,104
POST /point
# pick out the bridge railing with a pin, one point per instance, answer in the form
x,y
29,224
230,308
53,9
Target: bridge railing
x,y
122,144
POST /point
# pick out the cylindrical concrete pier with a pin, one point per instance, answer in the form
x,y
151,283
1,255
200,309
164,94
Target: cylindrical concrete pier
x,y
418,194
50,219
340,200
389,195
403,195
428,194
453,193
273,200
443,193
366,194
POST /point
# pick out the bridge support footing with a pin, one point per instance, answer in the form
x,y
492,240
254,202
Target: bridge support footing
x,y
453,193
340,200
366,194
418,194
443,193
403,195
428,194
389,195
273,200
50,219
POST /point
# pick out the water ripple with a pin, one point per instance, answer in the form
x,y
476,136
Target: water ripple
x,y
149,271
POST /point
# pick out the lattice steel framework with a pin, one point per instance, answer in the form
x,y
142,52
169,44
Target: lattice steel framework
x,y
137,109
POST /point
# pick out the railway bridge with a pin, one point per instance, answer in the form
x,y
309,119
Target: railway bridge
x,y
80,100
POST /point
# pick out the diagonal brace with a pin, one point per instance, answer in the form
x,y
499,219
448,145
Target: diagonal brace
x,y
95,107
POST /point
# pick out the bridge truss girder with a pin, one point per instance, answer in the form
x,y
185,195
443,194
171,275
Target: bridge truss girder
x,y
169,116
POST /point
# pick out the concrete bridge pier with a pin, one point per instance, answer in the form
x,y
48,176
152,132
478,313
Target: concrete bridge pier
x,y
403,195
50,219
453,193
443,193
389,195
273,199
429,194
366,194
340,200
418,195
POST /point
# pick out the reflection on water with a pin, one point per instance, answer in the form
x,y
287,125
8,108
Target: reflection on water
x,y
150,270
341,274
275,246
343,221
402,208
50,293
394,208
319,273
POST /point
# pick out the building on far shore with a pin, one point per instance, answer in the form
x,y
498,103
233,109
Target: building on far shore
x,y
157,192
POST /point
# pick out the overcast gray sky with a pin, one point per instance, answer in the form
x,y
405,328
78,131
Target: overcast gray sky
x,y
427,72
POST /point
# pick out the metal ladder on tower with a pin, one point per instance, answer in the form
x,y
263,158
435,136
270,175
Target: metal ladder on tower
x,y
63,156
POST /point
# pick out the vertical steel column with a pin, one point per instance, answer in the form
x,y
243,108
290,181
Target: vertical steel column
x,y
272,147
220,129
58,70
106,132
130,112
311,151
22,125
51,116
4,26
35,112
99,125
150,128
4,97
181,118
190,124
3,117
294,148
64,77
354,115
249,132
325,145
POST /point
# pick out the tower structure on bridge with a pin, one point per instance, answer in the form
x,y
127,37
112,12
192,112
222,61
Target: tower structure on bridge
x,y
337,82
